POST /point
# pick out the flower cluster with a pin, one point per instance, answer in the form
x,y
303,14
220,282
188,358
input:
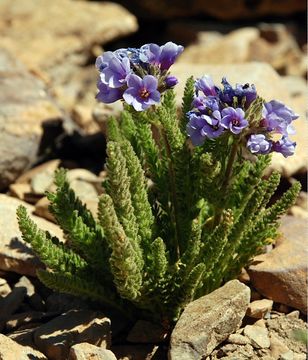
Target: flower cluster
x,y
138,76
216,111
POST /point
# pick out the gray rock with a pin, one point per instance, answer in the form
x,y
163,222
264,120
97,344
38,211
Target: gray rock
x,y
258,336
56,337
25,106
42,47
15,254
208,321
85,351
258,308
281,275
238,339
10,350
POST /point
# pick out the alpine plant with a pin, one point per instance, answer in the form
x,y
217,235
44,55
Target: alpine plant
x,y
185,206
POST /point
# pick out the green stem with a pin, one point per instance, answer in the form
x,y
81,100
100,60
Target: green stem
x,y
226,182
173,193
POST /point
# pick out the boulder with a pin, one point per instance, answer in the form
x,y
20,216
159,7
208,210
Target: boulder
x,y
46,43
25,107
208,321
56,337
281,275
85,351
10,350
15,254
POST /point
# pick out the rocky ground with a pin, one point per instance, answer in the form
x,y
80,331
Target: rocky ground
x,y
49,118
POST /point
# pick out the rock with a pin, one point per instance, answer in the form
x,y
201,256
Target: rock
x,y
278,47
208,321
25,106
299,212
270,86
223,10
235,47
42,47
32,297
58,302
48,167
277,347
258,336
56,337
5,288
291,332
238,339
85,351
147,332
281,275
294,314
11,303
24,336
257,309
82,115
42,209
20,190
10,350
138,352
42,182
15,254
21,319
287,355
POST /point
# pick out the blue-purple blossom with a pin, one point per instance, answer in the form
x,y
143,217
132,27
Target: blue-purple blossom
x,y
284,146
245,94
141,93
149,64
278,117
116,72
171,81
204,104
163,56
233,119
107,94
259,144
201,127
206,85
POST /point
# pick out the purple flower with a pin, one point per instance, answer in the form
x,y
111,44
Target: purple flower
x,y
163,56
278,117
212,127
194,129
227,94
206,85
171,81
233,119
206,104
169,52
201,127
258,144
247,92
284,146
116,72
107,94
141,93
